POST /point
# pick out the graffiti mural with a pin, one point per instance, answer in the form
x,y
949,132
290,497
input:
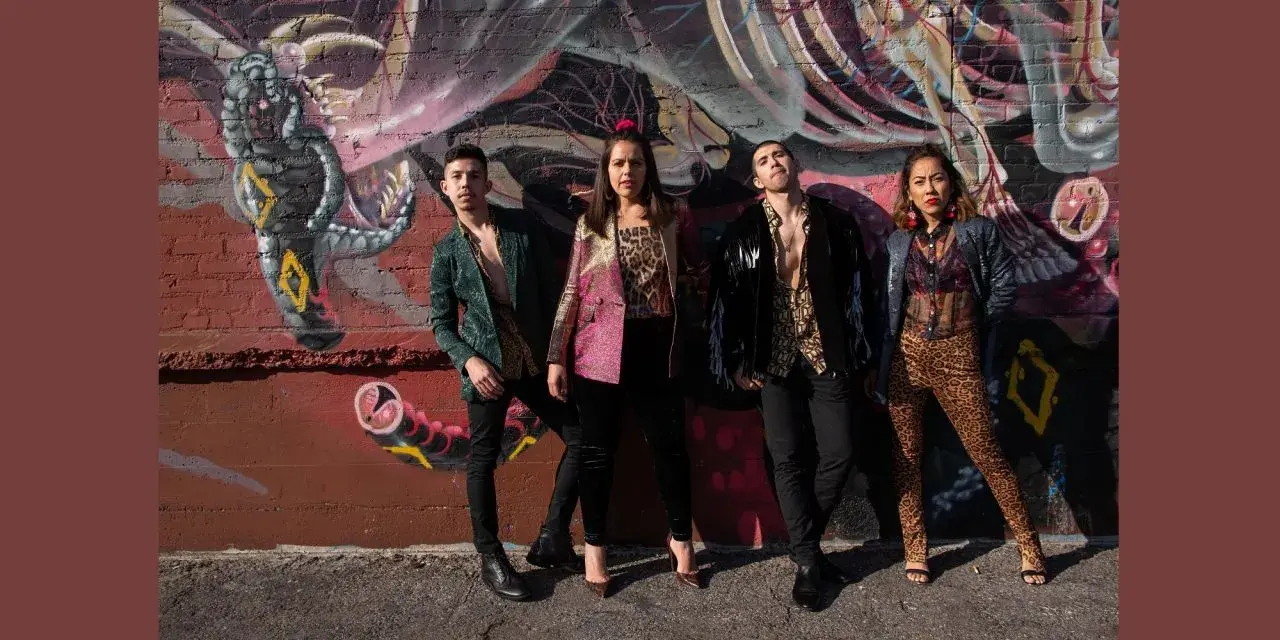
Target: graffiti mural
x,y
399,428
290,187
330,118
850,85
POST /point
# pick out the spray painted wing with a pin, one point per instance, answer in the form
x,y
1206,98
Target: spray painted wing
x,y
1037,257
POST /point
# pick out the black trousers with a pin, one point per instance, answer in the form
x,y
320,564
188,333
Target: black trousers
x,y
488,419
659,406
809,434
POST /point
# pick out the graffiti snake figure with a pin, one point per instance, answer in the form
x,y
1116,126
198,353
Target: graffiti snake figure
x,y
290,186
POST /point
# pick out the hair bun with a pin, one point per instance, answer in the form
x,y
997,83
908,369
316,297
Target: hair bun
x,y
624,124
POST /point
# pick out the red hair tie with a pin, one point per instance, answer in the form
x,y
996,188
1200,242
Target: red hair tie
x,y
624,124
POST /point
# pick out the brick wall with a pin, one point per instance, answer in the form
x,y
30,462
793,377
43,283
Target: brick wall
x,y
261,439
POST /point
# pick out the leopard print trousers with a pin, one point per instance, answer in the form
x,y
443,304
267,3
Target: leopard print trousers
x,y
949,368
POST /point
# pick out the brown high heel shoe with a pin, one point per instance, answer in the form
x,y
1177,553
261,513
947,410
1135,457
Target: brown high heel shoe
x,y
688,579
601,589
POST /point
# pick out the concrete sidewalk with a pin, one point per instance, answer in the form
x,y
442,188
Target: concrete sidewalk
x,y
434,594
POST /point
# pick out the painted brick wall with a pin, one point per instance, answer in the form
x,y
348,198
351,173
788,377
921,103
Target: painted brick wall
x,y
302,396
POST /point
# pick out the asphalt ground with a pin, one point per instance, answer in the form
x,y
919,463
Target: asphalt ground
x,y
434,593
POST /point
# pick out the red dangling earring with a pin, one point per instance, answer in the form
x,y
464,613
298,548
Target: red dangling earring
x,y
951,211
911,217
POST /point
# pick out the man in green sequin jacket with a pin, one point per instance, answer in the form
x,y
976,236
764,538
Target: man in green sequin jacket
x,y
496,264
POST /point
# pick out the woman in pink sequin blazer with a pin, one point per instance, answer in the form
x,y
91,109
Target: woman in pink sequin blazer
x,y
617,336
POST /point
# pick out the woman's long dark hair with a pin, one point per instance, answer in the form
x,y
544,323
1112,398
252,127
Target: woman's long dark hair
x,y
660,209
966,206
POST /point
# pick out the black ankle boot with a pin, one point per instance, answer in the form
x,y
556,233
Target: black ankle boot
x,y
805,592
555,551
497,573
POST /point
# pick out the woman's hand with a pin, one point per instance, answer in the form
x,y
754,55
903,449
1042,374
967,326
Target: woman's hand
x,y
558,382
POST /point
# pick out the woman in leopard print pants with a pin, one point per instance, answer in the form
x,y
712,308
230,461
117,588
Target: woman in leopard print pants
x,y
948,283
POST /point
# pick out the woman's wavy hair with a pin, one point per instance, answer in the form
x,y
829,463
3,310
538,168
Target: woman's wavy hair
x,y
966,206
660,209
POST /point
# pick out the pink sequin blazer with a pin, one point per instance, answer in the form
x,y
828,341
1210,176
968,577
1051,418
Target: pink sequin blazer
x,y
593,305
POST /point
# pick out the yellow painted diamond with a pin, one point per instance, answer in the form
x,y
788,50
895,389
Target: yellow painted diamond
x,y
1038,419
249,176
289,268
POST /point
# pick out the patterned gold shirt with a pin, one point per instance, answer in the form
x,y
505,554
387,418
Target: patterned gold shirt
x,y
644,272
795,326
517,359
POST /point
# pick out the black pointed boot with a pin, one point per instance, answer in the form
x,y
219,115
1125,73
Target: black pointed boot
x,y
497,573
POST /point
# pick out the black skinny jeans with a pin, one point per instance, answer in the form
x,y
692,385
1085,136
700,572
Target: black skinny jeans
x,y
809,434
659,406
488,420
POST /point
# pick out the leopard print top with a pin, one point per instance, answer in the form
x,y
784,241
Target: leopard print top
x,y
795,326
644,273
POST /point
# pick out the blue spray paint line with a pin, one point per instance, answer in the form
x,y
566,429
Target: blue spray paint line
x,y
973,26
1057,472
707,40
202,467
688,11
